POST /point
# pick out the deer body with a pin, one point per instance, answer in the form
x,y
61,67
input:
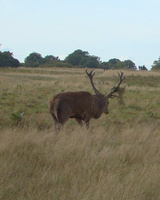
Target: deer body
x,y
82,105
79,105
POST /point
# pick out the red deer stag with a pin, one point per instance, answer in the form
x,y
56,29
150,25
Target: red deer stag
x,y
81,105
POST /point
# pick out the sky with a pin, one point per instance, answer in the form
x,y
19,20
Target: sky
x,y
122,29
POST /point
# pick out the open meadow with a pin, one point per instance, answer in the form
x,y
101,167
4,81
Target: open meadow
x,y
117,158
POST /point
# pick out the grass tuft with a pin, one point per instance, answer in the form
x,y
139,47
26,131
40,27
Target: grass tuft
x,y
117,158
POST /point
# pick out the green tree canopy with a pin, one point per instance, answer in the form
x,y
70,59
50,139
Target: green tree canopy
x,y
50,59
7,60
77,57
156,64
82,59
113,63
117,64
33,60
129,64
92,62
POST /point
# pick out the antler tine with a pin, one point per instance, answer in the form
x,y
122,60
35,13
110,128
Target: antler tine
x,y
121,77
115,89
90,75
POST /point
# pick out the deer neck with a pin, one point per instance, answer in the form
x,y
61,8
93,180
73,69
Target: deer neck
x,y
99,105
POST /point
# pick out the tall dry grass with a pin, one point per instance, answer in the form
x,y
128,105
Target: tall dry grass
x,y
80,164
117,158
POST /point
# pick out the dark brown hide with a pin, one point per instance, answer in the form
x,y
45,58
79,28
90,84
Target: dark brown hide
x,y
79,105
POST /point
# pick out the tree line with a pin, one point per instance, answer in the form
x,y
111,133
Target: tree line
x,y
7,60
79,59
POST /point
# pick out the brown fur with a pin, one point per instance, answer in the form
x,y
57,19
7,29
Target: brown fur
x,y
79,105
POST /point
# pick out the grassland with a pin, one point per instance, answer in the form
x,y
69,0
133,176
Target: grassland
x,y
117,158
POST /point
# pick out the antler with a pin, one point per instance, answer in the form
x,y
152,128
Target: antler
x,y
116,89
90,75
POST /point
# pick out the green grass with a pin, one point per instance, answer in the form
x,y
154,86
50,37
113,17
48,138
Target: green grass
x,y
140,81
117,158
29,94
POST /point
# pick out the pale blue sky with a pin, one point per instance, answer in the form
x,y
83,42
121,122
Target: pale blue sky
x,y
122,29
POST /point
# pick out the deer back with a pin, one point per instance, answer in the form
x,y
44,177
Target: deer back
x,y
74,105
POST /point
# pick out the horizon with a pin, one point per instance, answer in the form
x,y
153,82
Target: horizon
x,y
107,29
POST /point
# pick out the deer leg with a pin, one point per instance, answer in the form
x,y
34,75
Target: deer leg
x,y
86,120
87,124
57,125
64,114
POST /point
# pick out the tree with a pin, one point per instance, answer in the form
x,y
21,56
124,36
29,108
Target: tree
x,y
113,63
129,64
7,60
82,59
104,65
92,62
156,64
33,60
77,57
50,59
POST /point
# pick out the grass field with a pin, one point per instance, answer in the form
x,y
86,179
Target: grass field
x,y
117,158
